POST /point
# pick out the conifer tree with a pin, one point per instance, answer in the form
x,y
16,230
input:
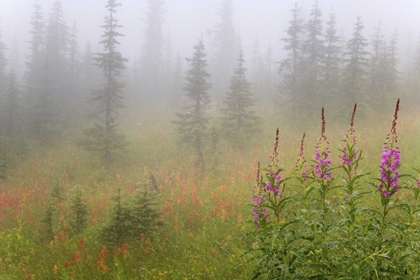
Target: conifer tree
x,y
151,57
3,157
176,88
239,123
224,41
73,79
12,107
331,73
47,73
356,65
290,68
413,79
79,212
3,62
56,65
313,59
34,68
104,137
393,63
192,124
377,60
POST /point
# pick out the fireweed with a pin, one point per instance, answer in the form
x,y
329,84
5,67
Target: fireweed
x,y
355,241
390,162
269,194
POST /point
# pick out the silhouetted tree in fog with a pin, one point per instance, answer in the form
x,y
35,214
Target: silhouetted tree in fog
x,y
331,73
192,123
151,56
33,75
378,44
12,116
3,64
356,66
290,67
74,70
313,59
56,47
104,137
42,112
224,42
239,123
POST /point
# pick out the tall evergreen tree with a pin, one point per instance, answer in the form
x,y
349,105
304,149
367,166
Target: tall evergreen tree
x,y
73,79
224,42
313,55
413,79
356,65
239,123
56,49
34,69
392,81
41,113
176,87
104,137
290,67
3,62
12,116
151,57
331,73
192,124
376,62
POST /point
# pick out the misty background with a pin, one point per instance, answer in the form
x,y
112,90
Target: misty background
x,y
185,21
296,57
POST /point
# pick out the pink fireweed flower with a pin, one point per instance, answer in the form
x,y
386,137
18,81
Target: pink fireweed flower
x,y
301,166
347,156
390,161
322,163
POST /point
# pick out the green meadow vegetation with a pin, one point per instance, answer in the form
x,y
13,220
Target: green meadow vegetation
x,y
201,226
155,169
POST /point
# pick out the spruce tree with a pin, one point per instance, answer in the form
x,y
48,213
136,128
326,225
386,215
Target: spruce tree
x,y
12,107
104,137
34,63
224,43
313,59
377,60
290,68
331,73
73,79
56,65
79,212
239,123
392,81
151,57
356,65
3,62
192,124
46,74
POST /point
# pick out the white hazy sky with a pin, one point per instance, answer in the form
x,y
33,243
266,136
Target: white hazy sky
x,y
186,20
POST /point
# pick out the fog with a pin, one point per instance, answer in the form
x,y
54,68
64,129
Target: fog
x,y
188,20
136,139
295,60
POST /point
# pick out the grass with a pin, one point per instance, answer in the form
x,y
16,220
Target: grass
x,y
205,216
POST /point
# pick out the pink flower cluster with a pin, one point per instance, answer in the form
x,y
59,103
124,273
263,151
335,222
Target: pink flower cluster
x,y
322,165
389,171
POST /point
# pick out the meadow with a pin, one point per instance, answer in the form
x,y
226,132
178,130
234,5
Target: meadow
x,y
207,227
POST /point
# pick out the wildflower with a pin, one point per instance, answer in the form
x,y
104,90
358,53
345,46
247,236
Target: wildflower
x,y
390,161
301,165
322,163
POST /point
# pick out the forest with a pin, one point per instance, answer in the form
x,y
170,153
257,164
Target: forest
x,y
205,148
